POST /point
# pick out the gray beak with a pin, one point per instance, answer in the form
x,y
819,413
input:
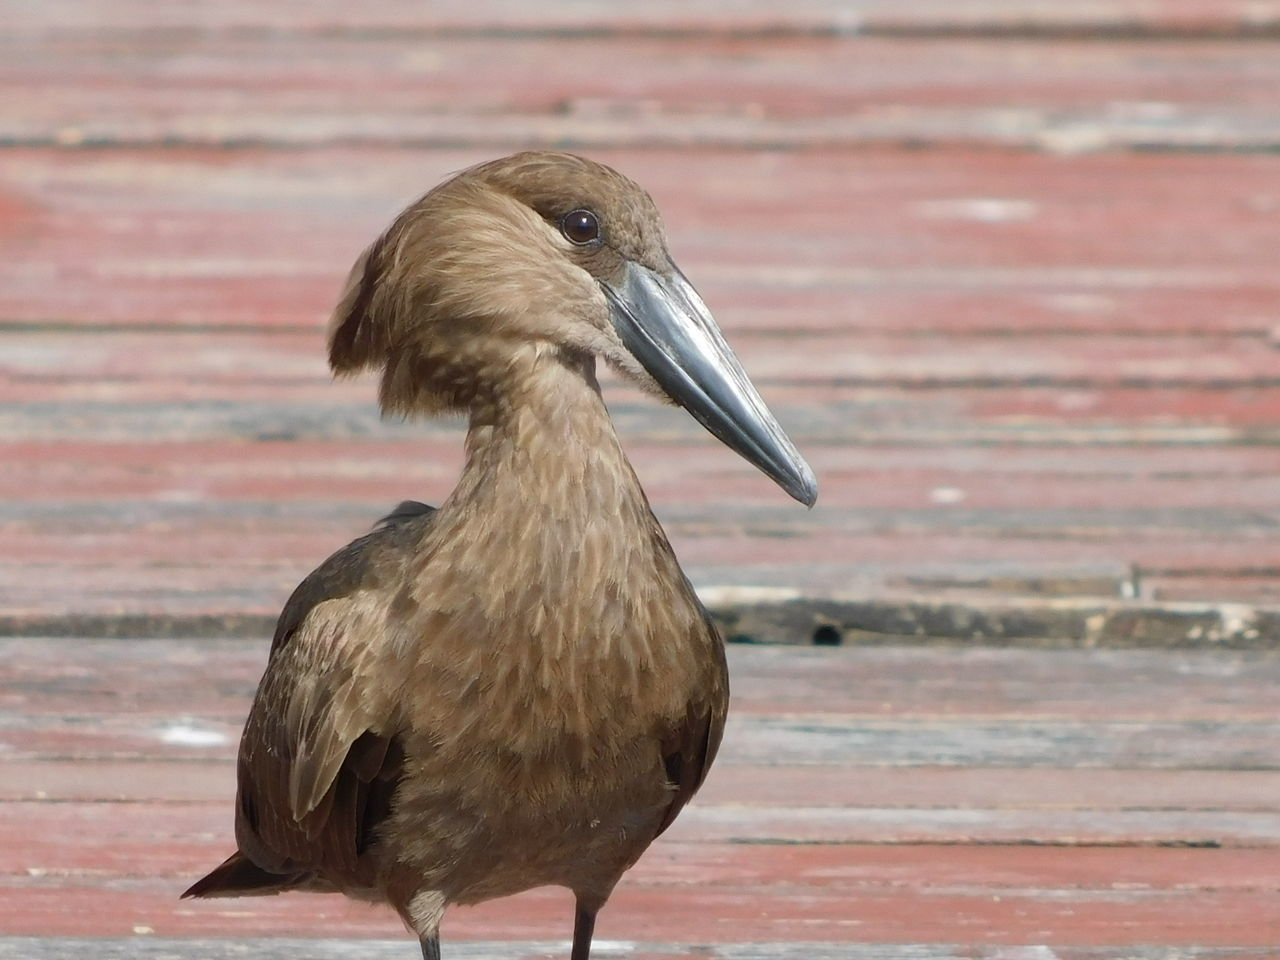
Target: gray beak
x,y
665,325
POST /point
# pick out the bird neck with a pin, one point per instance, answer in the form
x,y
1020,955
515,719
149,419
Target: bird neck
x,y
544,462
557,569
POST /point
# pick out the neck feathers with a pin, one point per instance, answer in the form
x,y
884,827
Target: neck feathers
x,y
557,580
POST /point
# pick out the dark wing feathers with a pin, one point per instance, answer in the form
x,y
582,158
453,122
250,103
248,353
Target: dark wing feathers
x,y
238,876
688,752
314,779
348,569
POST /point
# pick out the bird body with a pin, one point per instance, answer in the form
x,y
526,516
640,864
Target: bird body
x,y
519,688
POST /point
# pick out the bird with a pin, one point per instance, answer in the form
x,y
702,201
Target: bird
x,y
519,687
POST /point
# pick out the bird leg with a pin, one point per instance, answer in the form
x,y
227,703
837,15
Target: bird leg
x,y
584,924
430,947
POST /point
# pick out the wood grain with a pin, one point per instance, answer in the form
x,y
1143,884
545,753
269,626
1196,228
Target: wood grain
x,y
862,795
1004,268
619,88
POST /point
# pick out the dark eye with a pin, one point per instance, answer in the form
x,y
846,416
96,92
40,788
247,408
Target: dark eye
x,y
580,226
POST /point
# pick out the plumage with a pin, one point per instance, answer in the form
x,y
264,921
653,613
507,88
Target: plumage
x,y
519,688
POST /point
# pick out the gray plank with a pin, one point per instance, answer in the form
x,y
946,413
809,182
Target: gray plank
x,y
151,948
851,741
1125,19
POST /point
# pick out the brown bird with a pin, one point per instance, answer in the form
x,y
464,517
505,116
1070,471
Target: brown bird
x,y
519,688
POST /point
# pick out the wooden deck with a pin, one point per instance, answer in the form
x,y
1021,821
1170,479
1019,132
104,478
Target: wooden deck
x,y
1007,271
1012,803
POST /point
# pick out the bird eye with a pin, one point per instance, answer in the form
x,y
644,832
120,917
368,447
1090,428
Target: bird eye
x,y
580,226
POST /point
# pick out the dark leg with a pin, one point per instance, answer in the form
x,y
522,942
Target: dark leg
x,y
584,924
430,948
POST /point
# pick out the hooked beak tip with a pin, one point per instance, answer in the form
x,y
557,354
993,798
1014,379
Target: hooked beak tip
x,y
793,474
805,489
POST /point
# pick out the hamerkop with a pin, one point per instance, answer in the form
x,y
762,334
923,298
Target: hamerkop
x,y
520,687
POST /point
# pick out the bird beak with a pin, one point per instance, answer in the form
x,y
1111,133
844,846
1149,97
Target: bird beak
x,y
665,325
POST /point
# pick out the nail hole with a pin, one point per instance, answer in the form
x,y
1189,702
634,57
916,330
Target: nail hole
x,y
827,636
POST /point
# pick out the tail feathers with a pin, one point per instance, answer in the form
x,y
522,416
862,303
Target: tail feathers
x,y
238,876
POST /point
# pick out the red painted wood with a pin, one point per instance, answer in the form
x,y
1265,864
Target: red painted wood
x,y
213,781
731,913
381,474
251,570
603,90
1245,744
872,854
1015,372
905,549
193,833
857,240
1000,16
827,849
140,688
230,359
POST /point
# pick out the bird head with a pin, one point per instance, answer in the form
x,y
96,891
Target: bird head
x,y
545,250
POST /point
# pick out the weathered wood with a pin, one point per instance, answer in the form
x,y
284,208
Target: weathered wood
x,y
855,848
877,240
625,90
730,912
58,780
1010,372
144,685
172,848
112,701
1108,432
176,838
1247,745
1038,385
230,360
902,572
1127,18
284,948
375,471
344,484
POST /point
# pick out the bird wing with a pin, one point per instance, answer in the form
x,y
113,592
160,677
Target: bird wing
x,y
318,763
690,748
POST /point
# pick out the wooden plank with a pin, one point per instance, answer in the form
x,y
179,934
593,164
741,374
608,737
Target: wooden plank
x,y
435,449
1017,374
600,91
718,913
1222,540
140,687
162,587
380,472
1014,855
894,596
283,948
53,780
839,17
1249,743
118,837
231,359
1174,588
1188,745
856,241
147,842
921,855
755,740
844,427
